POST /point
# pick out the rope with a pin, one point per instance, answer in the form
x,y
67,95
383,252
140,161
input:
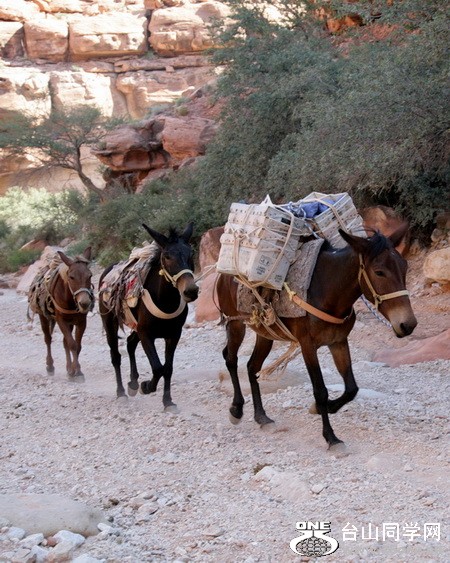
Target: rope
x,y
374,312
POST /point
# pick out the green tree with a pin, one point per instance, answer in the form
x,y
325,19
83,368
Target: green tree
x,y
57,139
307,111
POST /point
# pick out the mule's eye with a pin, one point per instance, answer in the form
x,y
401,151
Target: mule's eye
x,y
380,273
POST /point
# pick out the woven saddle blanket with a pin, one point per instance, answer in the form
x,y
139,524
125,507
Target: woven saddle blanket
x,y
125,281
298,279
39,298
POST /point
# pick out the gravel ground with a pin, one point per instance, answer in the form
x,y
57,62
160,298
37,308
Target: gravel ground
x,y
193,487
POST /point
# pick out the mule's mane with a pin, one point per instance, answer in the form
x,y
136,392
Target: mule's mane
x,y
172,238
378,243
81,259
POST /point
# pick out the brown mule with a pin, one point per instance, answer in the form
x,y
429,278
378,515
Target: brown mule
x,y
64,297
367,266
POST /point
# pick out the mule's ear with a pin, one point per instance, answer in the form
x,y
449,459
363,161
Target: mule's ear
x,y
187,233
68,261
157,237
397,236
357,243
87,253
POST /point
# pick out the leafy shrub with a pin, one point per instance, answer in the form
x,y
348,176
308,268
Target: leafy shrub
x,y
13,260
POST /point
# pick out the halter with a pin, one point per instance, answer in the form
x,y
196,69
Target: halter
x,y
63,274
378,299
150,304
174,279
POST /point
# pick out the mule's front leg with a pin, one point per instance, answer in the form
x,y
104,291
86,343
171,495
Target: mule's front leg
x,y
341,356
171,345
148,344
320,391
70,348
235,336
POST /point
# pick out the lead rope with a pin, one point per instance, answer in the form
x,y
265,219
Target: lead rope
x,y
374,312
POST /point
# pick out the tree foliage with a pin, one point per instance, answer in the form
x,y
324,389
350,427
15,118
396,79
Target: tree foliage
x,y
58,139
308,112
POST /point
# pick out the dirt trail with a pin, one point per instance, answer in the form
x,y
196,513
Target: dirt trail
x,y
192,487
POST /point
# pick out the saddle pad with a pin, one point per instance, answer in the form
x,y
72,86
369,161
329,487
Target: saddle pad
x,y
298,279
124,281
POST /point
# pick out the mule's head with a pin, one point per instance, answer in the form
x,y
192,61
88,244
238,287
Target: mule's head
x,y
79,279
177,260
382,278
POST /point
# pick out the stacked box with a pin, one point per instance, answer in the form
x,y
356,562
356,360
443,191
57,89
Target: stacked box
x,y
341,214
259,243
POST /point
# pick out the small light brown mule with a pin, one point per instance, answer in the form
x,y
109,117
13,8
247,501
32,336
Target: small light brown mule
x,y
367,266
69,297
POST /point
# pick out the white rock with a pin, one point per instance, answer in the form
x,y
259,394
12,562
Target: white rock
x,y
15,533
32,540
69,537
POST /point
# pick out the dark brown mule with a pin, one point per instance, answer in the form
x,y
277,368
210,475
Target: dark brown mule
x,y
170,285
66,299
337,282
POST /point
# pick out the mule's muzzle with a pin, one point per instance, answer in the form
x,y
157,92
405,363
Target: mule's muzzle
x,y
188,288
190,293
405,328
84,300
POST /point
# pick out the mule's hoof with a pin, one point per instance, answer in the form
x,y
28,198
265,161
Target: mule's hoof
x,y
133,388
78,378
339,450
173,409
50,370
122,399
233,419
146,388
313,409
269,427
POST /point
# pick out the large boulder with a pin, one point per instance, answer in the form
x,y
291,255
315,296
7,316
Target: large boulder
x,y
187,137
185,29
426,350
134,147
155,143
24,90
206,306
386,221
108,35
437,266
47,38
49,513
146,89
11,40
17,10
70,89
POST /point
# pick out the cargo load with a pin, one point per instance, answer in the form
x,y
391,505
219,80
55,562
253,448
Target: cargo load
x,y
261,241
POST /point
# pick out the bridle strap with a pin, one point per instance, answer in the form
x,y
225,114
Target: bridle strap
x,y
378,299
174,279
63,275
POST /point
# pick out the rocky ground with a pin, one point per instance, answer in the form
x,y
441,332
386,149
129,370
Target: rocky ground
x,y
193,487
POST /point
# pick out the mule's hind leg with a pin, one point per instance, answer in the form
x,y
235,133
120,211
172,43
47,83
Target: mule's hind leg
x,y
235,336
47,326
111,326
341,356
133,384
262,349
